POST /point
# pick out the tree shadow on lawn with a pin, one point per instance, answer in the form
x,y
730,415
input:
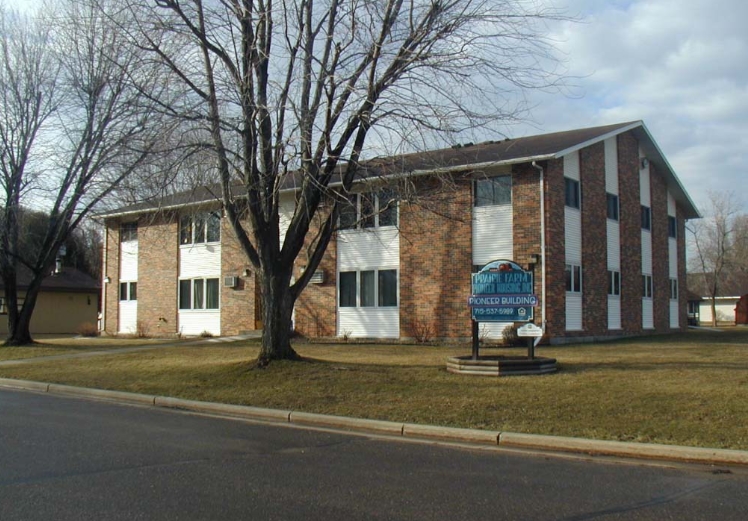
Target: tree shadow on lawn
x,y
664,366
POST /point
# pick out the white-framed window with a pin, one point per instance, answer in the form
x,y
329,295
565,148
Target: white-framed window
x,y
614,283
128,231
199,228
573,278
369,210
128,291
673,289
647,286
199,294
493,191
613,207
367,289
572,192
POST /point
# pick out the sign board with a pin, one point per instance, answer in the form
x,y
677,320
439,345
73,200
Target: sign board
x,y
530,330
502,292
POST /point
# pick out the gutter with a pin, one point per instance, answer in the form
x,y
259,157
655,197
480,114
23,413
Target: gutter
x,y
542,245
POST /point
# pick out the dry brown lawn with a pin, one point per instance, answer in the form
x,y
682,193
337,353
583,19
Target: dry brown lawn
x,y
686,389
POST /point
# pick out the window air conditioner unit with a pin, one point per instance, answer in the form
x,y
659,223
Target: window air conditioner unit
x,y
318,277
230,282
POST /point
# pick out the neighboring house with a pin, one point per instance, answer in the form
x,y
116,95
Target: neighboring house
x,y
67,299
731,286
599,211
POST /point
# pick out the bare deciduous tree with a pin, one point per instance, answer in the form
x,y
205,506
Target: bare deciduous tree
x,y
290,92
718,243
73,127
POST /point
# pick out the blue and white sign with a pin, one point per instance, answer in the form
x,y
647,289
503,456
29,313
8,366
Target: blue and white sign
x,y
502,292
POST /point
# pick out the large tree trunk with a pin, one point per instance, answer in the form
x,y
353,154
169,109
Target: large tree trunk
x,y
19,333
277,309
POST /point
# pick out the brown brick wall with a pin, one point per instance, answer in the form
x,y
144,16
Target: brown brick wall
x,y
594,241
555,248
436,262
630,225
111,270
237,304
158,249
316,307
526,217
660,268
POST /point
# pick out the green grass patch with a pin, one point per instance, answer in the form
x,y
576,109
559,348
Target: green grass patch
x,y
685,389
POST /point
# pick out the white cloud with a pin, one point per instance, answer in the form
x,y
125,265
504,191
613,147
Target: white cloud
x,y
677,64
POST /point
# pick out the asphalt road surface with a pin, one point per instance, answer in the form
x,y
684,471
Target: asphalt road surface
x,y
69,458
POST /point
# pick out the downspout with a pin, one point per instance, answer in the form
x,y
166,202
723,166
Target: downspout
x,y
542,242
104,279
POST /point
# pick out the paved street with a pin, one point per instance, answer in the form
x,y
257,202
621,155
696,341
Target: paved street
x,y
68,458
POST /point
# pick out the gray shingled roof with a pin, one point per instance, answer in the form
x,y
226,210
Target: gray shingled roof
x,y
730,284
507,151
68,279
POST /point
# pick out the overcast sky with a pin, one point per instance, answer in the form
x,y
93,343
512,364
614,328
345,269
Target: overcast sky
x,y
679,65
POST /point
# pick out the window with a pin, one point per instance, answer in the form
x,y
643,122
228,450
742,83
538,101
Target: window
x,y
200,228
646,218
199,294
493,191
347,292
612,207
573,278
370,210
672,227
128,232
367,289
128,291
614,282
573,197
673,289
647,286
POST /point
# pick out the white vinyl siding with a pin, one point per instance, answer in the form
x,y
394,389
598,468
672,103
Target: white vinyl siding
x,y
198,321
724,307
645,194
573,311
674,318
611,165
614,312
672,247
199,260
363,250
285,213
493,236
672,250
646,252
573,241
128,316
645,199
647,314
128,260
614,245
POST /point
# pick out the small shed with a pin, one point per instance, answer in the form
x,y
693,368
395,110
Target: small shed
x,y
741,310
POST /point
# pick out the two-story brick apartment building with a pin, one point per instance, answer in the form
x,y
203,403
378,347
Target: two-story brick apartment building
x,y
598,211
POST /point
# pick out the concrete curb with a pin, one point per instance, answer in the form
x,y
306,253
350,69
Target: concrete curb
x,y
649,451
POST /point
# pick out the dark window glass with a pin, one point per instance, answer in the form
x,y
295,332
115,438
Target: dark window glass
x,y
133,291
348,217
493,191
387,288
347,280
646,218
647,286
612,207
185,230
367,211
573,278
123,290
614,282
672,227
214,227
199,224
387,208
211,293
128,232
368,289
673,289
572,192
185,295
